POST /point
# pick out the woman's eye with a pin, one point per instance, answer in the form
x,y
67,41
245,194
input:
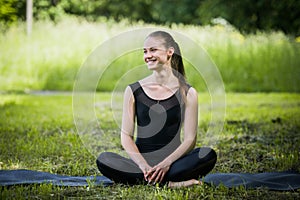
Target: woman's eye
x,y
150,50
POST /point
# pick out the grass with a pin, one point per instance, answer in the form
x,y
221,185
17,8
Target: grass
x,y
260,134
50,58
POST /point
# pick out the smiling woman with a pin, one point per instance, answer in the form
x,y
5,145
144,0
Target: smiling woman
x,y
160,104
155,54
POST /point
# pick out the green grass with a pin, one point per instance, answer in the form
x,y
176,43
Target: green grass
x,y
260,134
50,58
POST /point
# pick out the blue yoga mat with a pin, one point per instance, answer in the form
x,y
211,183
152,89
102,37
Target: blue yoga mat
x,y
268,180
23,176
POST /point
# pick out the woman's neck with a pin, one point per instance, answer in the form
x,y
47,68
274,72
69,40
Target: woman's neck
x,y
163,76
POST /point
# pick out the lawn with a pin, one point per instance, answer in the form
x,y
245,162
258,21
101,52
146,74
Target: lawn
x,y
261,133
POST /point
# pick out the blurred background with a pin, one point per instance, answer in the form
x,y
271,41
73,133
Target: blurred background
x,y
254,44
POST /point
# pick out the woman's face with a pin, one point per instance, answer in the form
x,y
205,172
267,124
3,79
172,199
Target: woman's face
x,y
156,55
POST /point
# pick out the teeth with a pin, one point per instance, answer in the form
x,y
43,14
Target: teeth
x,y
151,60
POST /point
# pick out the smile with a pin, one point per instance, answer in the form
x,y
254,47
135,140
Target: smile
x,y
150,61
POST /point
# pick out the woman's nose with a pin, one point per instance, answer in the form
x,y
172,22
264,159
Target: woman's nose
x,y
148,54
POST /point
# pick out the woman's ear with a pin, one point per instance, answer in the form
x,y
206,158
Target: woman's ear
x,y
170,51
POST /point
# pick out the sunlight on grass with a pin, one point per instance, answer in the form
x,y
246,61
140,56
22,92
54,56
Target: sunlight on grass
x,y
260,134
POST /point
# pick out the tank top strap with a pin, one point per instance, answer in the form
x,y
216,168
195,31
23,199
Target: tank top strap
x,y
188,86
136,89
134,86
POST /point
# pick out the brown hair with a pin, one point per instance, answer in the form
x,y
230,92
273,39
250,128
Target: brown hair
x,y
176,60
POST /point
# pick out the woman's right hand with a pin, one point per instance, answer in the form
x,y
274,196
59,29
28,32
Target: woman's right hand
x,y
145,169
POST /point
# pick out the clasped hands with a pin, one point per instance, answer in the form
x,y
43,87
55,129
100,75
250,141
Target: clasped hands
x,y
157,173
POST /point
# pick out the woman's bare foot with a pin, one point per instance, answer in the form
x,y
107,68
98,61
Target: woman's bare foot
x,y
184,183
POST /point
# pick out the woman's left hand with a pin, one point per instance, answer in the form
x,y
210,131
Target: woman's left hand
x,y
158,172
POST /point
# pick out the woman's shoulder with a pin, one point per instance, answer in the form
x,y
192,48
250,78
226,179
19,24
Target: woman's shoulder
x,y
129,92
189,88
192,91
192,95
134,86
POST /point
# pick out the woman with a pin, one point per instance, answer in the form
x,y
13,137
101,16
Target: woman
x,y
160,104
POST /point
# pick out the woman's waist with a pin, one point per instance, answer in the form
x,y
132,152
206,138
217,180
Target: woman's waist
x,y
155,153
146,147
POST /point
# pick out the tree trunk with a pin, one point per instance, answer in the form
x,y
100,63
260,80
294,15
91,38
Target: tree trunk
x,y
29,16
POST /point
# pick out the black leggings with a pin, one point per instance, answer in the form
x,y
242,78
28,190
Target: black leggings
x,y
197,163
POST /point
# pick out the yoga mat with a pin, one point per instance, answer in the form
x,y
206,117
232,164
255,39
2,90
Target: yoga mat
x,y
268,180
23,176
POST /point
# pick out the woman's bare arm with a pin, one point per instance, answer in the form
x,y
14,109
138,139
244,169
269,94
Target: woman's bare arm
x,y
127,131
190,126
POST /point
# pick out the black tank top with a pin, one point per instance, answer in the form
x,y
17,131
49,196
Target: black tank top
x,y
158,122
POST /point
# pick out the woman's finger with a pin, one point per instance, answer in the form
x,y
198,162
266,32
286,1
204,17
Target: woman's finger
x,y
154,175
146,176
159,177
149,175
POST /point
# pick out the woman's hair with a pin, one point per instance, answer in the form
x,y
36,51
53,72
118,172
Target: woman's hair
x,y
176,60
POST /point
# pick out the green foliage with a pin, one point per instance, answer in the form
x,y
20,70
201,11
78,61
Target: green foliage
x,y
50,58
247,15
47,10
177,11
8,13
37,132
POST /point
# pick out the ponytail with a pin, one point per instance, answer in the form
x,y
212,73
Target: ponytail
x,y
178,71
176,61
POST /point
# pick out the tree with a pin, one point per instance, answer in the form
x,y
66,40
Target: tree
x,y
8,13
246,15
29,16
249,15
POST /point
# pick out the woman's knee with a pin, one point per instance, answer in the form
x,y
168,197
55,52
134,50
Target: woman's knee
x,y
102,159
207,153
